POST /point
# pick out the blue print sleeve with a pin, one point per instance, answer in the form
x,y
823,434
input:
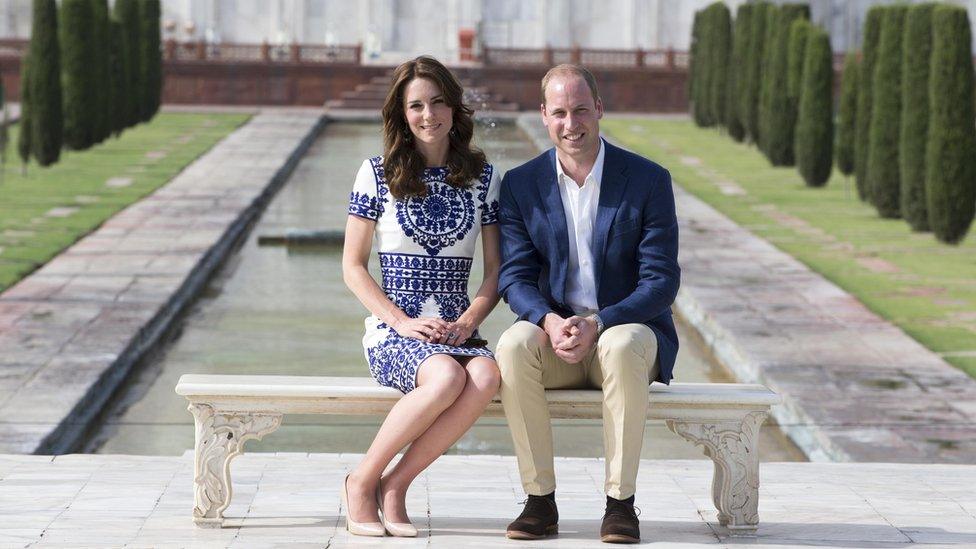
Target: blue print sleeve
x,y
364,201
489,207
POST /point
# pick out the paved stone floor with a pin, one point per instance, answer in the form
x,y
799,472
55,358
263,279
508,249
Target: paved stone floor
x,y
292,500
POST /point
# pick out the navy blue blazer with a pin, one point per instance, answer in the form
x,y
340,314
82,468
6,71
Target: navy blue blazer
x,y
635,244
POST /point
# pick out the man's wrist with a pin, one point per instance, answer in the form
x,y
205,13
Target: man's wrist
x,y
598,322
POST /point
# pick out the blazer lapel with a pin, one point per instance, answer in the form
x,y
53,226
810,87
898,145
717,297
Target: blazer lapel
x,y
549,190
612,187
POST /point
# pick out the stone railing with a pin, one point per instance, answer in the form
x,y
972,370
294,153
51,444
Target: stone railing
x,y
603,58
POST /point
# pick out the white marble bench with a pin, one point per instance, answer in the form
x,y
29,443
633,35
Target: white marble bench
x,y
229,410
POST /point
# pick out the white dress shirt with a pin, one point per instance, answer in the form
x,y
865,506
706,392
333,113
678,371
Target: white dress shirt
x,y
580,205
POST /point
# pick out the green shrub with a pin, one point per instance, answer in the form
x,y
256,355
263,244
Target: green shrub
x,y
950,151
795,58
45,84
102,126
846,115
24,137
741,31
127,13
152,59
78,65
118,91
869,51
780,119
916,54
883,178
753,70
720,48
696,71
815,120
765,90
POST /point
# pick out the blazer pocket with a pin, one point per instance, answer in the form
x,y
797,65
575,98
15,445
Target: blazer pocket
x,y
627,226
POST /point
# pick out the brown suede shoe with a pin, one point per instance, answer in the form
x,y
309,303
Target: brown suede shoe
x,y
538,520
620,524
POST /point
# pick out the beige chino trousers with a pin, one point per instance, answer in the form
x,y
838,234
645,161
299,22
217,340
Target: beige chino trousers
x,y
621,365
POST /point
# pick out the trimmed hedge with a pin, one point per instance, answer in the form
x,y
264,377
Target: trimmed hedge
x,y
846,115
765,90
152,59
735,111
795,58
102,126
753,69
869,51
79,66
780,119
950,152
45,84
24,137
815,120
126,12
696,70
118,90
916,54
884,180
720,48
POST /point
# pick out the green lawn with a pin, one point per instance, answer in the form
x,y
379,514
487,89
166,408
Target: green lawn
x,y
50,208
926,288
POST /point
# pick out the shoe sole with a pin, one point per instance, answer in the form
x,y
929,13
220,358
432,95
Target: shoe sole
x,y
618,538
519,534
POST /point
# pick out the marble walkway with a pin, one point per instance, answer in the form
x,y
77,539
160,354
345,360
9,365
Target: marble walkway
x,y
292,500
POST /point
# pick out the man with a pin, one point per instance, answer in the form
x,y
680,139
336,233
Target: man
x,y
590,266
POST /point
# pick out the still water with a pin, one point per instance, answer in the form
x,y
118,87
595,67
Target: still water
x,y
285,310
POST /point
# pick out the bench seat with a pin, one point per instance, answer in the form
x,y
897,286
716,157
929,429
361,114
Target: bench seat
x,y
723,418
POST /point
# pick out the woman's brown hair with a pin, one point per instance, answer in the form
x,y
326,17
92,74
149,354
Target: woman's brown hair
x,y
403,165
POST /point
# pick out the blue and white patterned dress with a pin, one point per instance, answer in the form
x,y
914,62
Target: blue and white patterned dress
x,y
426,245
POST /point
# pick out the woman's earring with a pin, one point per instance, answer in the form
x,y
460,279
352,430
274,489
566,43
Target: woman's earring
x,y
453,132
407,136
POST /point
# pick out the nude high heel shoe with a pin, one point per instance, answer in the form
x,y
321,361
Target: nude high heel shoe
x,y
398,529
374,529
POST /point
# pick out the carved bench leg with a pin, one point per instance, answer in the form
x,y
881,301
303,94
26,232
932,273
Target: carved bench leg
x,y
734,448
220,437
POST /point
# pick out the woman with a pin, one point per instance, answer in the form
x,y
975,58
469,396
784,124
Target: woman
x,y
425,200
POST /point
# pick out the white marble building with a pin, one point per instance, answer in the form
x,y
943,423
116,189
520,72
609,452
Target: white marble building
x,y
391,30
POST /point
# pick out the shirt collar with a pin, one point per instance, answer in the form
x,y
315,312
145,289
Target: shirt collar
x,y
596,173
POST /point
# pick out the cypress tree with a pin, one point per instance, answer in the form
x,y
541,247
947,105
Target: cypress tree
x,y
152,59
795,57
950,151
883,178
780,120
103,108
78,55
45,84
696,70
118,91
742,32
869,51
753,80
916,54
720,23
24,138
815,125
765,85
846,115
707,66
127,13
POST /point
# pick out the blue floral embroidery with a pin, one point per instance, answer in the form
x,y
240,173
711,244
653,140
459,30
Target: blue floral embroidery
x,y
411,280
489,211
440,218
394,363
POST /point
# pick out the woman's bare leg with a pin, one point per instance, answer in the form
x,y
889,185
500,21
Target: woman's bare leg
x,y
482,381
440,379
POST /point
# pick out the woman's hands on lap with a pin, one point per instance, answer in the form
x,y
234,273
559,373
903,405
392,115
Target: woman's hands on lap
x,y
457,332
428,329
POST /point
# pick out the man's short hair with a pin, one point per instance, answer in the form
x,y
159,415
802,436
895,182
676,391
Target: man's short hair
x,y
574,69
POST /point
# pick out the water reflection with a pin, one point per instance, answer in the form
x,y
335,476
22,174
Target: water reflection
x,y
284,310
